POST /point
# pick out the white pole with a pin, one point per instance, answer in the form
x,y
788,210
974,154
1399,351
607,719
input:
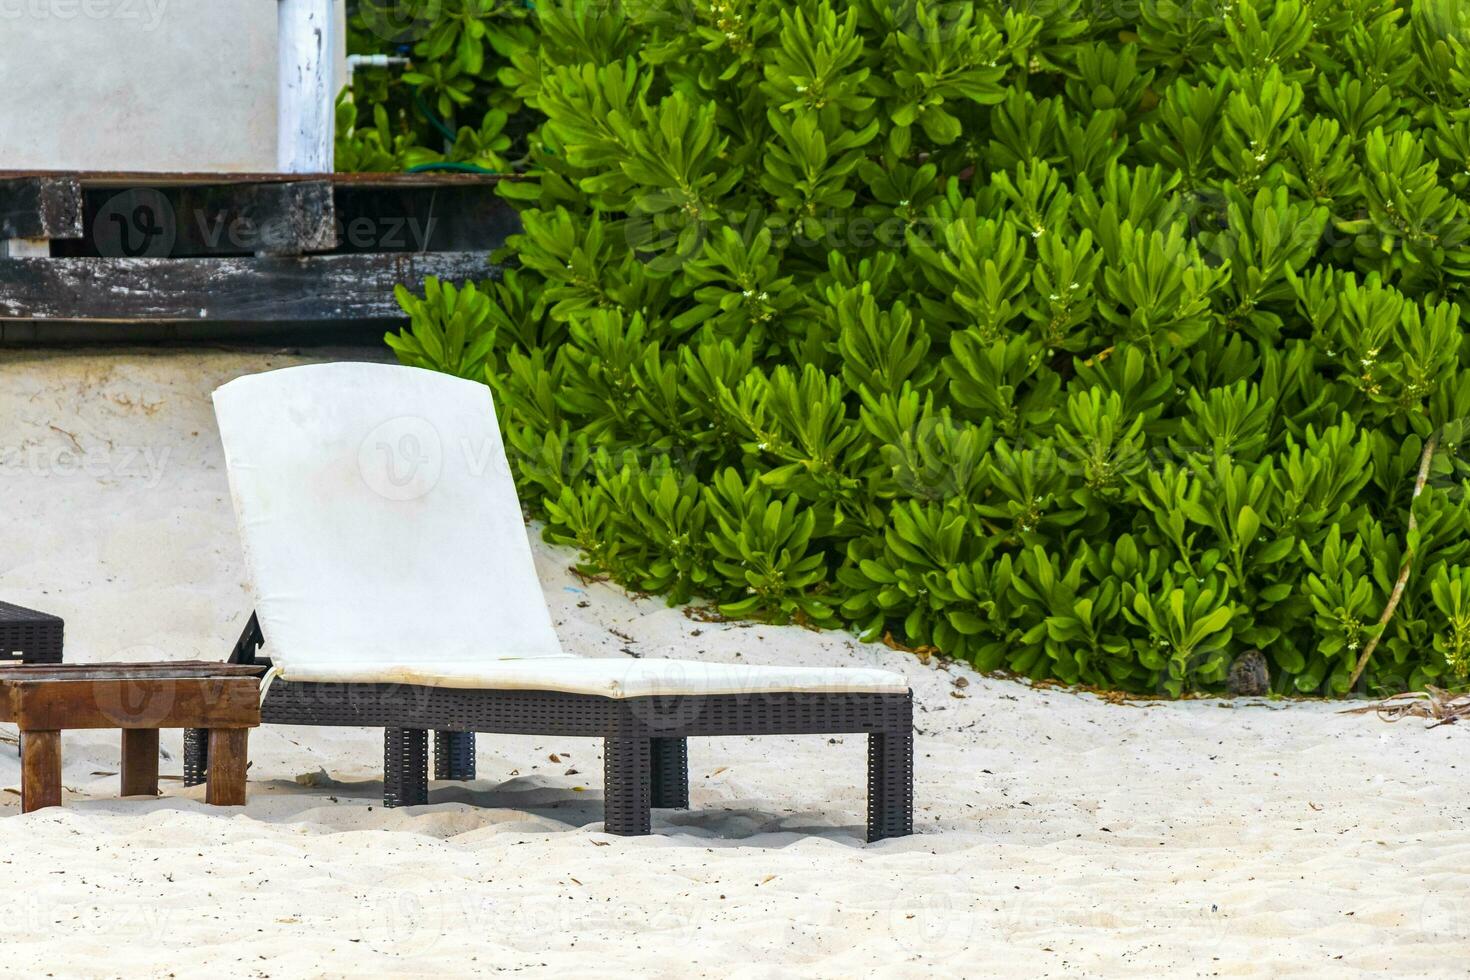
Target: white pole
x,y
307,97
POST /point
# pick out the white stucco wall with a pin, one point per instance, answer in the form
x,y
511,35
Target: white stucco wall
x,y
180,85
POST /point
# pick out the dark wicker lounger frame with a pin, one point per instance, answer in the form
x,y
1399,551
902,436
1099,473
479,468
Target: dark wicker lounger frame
x,y
29,636
645,755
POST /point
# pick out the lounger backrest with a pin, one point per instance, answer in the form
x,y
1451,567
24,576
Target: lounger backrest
x,y
378,517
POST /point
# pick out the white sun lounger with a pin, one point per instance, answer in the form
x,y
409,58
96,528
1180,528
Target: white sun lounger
x,y
394,588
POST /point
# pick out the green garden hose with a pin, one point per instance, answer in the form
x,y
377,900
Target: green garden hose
x,y
464,168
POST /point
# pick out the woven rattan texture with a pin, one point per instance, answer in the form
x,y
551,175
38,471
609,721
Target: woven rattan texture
x,y
670,772
645,758
645,752
556,713
454,755
29,636
405,767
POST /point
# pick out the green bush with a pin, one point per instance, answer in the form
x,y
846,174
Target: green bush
x,y
447,98
1092,343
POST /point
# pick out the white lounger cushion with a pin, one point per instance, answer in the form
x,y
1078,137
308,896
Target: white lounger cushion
x,y
612,678
378,517
385,543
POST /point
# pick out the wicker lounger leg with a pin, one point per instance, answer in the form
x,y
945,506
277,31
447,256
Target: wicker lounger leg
x,y
454,755
405,766
890,784
627,774
670,773
196,755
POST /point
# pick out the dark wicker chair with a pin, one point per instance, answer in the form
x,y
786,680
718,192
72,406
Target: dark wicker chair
x,y
645,756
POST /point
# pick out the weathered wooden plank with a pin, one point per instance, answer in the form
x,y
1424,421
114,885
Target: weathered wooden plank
x,y
139,762
412,219
306,289
40,769
117,671
213,220
41,207
229,754
279,218
136,703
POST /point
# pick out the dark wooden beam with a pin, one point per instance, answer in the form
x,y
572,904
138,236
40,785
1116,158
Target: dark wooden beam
x,y
41,207
412,219
218,220
245,290
232,219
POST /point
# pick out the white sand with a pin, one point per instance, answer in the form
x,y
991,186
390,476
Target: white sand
x,y
1058,835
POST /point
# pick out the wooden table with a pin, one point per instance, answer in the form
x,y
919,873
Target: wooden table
x,y
45,700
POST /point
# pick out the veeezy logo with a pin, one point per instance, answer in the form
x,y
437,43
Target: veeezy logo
x,y
401,459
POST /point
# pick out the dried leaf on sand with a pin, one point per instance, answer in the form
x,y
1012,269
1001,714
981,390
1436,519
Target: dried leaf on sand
x,y
1438,706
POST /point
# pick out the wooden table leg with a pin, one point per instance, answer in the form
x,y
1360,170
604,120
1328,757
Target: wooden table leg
x,y
228,754
140,762
40,770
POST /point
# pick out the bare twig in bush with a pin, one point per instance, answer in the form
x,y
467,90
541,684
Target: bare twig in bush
x,y
1442,707
1398,587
